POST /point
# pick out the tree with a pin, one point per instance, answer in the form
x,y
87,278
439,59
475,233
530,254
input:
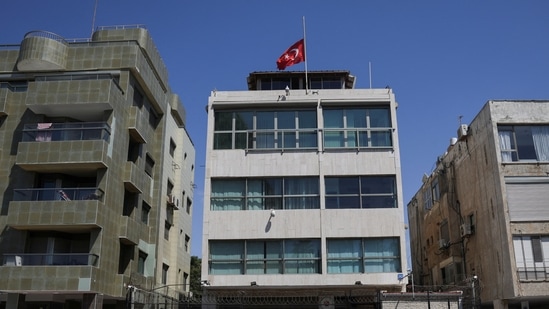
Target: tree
x,y
195,286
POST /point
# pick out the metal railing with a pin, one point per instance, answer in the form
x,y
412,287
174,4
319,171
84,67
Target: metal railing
x,y
47,35
57,194
50,259
68,131
357,138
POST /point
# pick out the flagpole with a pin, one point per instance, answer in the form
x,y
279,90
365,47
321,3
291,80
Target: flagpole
x,y
305,49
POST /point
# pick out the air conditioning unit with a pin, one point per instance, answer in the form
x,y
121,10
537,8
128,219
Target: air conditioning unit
x,y
442,244
462,131
13,260
465,230
173,201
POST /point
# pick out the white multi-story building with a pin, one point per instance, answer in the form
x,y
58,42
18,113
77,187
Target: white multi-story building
x,y
302,197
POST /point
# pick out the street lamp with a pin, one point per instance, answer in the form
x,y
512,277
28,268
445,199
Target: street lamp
x,y
411,275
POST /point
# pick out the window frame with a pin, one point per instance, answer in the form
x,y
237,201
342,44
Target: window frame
x,y
356,133
359,198
255,130
364,257
286,261
267,200
518,143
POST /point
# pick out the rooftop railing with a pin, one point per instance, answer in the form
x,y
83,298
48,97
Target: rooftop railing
x,y
47,35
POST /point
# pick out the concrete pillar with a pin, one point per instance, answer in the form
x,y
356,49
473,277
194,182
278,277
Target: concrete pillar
x,y
500,304
15,301
92,301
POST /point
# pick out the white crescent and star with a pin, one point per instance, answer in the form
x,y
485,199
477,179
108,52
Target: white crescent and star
x,y
295,51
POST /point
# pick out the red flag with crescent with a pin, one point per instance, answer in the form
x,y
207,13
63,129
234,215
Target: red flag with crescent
x,y
293,55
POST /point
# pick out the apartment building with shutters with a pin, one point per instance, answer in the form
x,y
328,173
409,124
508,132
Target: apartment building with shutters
x,y
480,220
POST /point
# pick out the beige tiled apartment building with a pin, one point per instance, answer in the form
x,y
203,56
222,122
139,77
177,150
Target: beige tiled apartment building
x,y
96,172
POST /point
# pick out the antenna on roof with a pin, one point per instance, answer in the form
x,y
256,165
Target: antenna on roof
x,y
93,20
370,72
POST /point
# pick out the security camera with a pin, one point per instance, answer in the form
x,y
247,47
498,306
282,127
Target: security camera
x,y
273,213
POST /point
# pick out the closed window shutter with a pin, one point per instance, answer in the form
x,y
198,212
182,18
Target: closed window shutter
x,y
528,201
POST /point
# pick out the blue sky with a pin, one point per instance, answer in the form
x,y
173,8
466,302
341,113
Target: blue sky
x,y
443,59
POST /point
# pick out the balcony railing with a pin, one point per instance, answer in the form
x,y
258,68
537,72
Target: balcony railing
x,y
50,259
58,194
71,131
358,138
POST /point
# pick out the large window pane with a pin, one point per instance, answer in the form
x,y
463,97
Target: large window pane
x,y
302,256
377,184
301,185
263,257
356,118
223,121
286,120
333,139
333,118
381,139
288,140
381,255
308,139
227,194
525,143
344,255
378,202
380,118
342,185
307,119
243,140
226,257
243,120
261,187
223,141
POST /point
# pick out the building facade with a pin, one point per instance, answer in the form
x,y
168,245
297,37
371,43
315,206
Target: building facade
x,y
480,220
302,196
96,173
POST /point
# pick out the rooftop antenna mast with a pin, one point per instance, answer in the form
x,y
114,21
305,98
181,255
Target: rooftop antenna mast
x,y
93,20
370,72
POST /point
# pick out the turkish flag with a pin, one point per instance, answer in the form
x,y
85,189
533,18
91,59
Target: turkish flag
x,y
293,55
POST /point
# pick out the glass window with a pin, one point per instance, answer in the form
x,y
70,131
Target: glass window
x,y
357,128
149,165
226,257
265,129
344,256
172,148
265,193
290,256
532,256
381,255
141,262
360,192
367,255
145,210
524,143
165,273
263,257
228,194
